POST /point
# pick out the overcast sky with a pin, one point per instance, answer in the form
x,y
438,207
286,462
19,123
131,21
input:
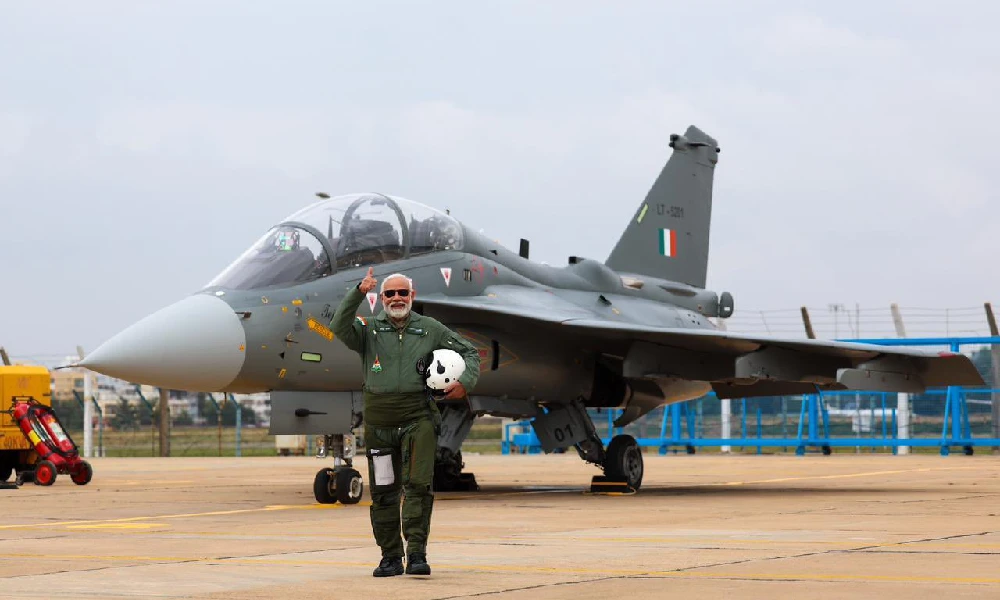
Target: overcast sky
x,y
143,148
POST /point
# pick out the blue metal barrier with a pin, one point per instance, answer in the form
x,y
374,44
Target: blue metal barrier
x,y
956,430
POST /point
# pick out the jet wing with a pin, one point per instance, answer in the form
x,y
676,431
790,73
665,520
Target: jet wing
x,y
737,365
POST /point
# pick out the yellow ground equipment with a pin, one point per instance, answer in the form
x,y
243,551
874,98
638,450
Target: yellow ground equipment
x,y
19,382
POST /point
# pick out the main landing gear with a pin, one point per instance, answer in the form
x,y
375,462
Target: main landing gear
x,y
342,483
623,461
456,422
570,425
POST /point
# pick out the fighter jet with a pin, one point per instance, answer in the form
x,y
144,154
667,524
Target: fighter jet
x,y
632,332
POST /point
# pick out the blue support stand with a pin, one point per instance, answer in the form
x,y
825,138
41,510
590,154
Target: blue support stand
x,y
956,413
743,420
760,430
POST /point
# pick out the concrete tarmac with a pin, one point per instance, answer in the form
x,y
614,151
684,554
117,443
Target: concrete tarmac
x,y
842,526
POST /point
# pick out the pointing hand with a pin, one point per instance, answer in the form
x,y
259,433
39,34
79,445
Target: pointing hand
x,y
369,282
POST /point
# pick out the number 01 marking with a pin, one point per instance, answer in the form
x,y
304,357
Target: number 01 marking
x,y
562,433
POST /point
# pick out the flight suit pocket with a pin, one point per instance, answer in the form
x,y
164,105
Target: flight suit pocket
x,y
385,467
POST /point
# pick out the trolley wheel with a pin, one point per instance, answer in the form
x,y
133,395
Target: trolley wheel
x,y
325,487
349,485
83,474
827,451
45,473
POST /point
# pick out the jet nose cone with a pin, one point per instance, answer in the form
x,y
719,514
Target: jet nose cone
x,y
196,344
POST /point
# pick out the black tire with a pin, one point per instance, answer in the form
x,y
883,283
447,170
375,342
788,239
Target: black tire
x,y
45,473
83,475
350,486
623,461
827,451
6,470
325,487
448,470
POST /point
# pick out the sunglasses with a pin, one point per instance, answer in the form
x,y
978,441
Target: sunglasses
x,y
391,293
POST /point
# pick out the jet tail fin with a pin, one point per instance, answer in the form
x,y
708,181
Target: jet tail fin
x,y
668,236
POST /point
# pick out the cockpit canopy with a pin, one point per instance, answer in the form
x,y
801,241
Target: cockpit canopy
x,y
358,230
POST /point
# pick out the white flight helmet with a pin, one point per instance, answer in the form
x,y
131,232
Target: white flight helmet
x,y
445,367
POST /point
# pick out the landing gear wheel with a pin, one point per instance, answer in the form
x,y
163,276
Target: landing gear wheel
x,y
448,470
325,487
83,474
349,486
623,461
45,473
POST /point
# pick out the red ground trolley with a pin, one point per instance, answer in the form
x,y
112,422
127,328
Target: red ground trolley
x,y
56,451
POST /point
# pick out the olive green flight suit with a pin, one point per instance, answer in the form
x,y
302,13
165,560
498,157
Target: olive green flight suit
x,y
401,420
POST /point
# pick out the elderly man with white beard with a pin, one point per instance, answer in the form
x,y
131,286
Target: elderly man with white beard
x,y
401,418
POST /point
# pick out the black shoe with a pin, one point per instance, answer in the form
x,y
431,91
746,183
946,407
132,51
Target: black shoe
x,y
416,564
389,567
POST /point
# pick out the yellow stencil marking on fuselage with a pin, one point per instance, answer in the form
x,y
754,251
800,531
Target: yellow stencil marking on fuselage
x,y
320,328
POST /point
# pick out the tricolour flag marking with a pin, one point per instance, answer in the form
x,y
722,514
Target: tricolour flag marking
x,y
668,242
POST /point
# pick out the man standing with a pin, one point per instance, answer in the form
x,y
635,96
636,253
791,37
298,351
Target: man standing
x,y
401,419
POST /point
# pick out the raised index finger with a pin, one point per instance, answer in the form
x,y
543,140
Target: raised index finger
x,y
371,271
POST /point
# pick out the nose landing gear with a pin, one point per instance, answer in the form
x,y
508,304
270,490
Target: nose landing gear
x,y
342,483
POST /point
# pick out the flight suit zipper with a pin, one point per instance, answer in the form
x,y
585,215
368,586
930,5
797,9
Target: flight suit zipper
x,y
399,363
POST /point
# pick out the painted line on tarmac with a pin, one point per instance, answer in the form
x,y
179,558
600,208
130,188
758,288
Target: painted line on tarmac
x,y
255,510
841,476
648,573
826,577
716,541
213,513
147,529
526,492
267,536
151,482
117,526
